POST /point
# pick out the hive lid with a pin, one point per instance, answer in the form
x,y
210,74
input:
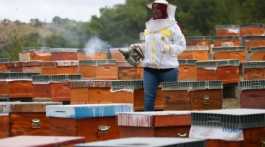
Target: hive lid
x,y
187,62
253,84
147,142
126,84
55,78
192,85
91,83
87,111
230,118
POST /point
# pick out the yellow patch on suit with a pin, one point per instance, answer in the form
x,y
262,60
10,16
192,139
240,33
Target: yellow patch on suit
x,y
166,32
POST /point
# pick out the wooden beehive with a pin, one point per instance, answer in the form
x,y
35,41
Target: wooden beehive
x,y
87,69
227,30
154,124
239,127
44,141
129,72
253,70
40,56
236,53
107,70
15,66
60,87
32,67
198,41
4,125
195,53
67,67
41,87
257,54
187,70
94,122
116,55
252,94
4,66
206,70
228,71
64,54
252,30
253,41
4,89
227,41
27,118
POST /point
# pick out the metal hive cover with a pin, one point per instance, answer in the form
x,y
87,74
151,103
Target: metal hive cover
x,y
230,118
187,62
258,49
228,49
91,83
147,142
17,75
126,84
192,85
254,64
253,84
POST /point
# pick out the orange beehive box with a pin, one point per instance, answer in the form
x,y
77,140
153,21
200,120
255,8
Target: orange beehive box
x,y
236,53
20,88
187,70
116,55
252,30
227,41
41,87
195,53
252,94
32,67
195,95
206,70
227,30
228,71
101,55
87,69
4,125
154,124
106,91
129,72
60,87
4,89
15,67
257,54
254,41
67,67
107,70
253,70
82,56
4,65
198,41
40,56
64,54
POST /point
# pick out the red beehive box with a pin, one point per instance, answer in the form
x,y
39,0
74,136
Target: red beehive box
x,y
252,30
79,92
254,41
206,95
41,87
32,67
154,124
44,141
252,94
4,66
176,95
227,30
64,54
207,70
236,53
198,41
87,69
195,53
227,41
15,67
257,54
129,72
27,118
60,87
116,55
94,122
67,67
4,125
253,70
228,71
20,88
4,89
187,70
40,56
107,70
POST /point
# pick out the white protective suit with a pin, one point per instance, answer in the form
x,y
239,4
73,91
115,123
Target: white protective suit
x,y
163,42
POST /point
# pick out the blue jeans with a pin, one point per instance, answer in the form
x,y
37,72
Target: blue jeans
x,y
152,78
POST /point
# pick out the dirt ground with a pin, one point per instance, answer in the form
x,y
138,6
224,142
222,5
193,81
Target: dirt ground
x,y
231,103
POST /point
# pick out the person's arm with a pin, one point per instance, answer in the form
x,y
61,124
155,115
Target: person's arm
x,y
177,42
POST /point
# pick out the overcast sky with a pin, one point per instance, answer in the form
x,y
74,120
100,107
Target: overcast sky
x,y
45,10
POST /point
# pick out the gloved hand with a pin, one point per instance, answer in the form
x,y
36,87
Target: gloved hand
x,y
134,55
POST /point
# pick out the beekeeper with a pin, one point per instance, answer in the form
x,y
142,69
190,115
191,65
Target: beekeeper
x,y
163,42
